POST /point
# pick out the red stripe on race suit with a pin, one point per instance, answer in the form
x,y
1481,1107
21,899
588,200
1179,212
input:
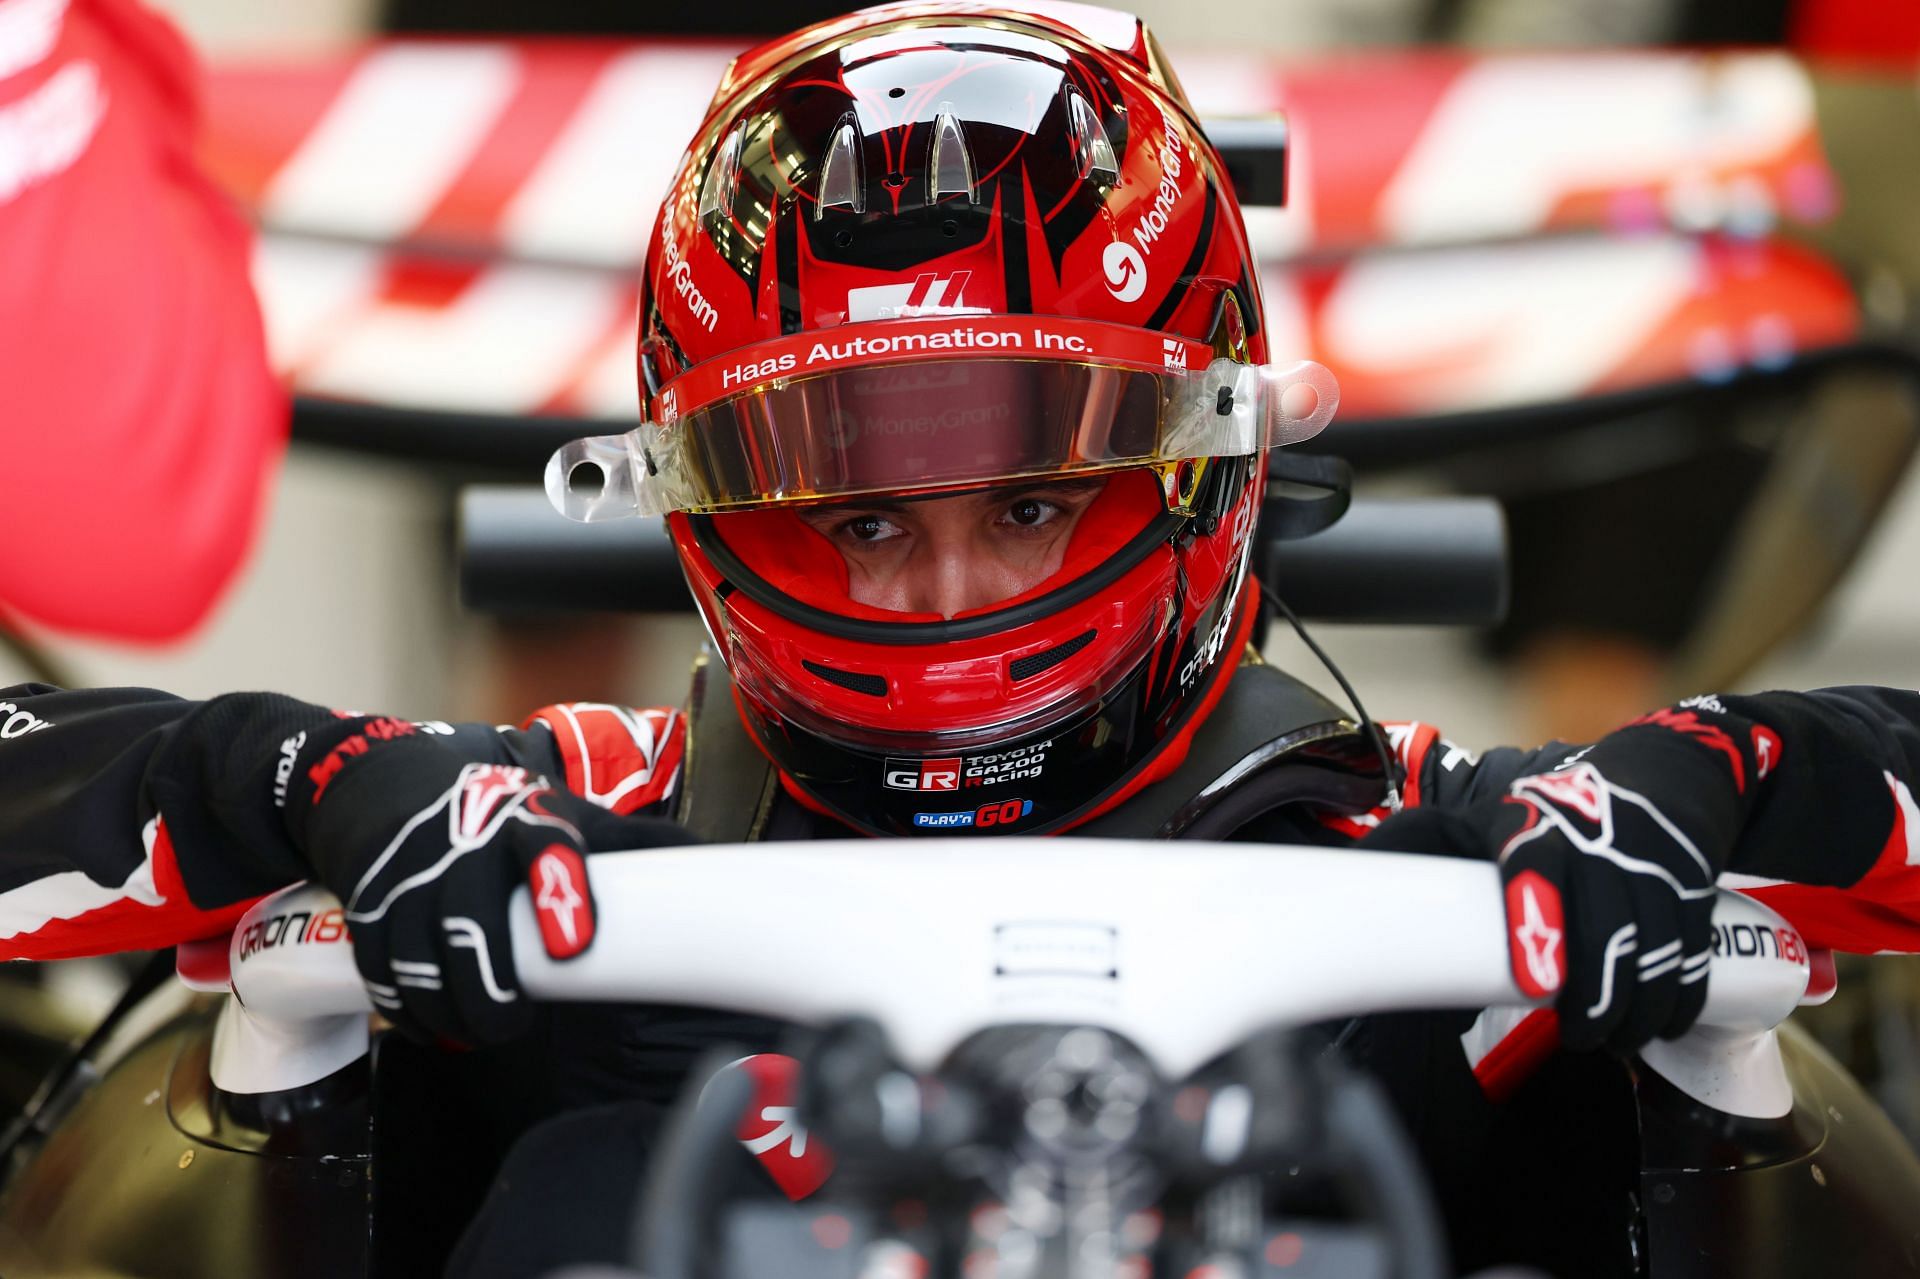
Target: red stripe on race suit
x,y
1515,1055
164,918
1712,736
1836,919
1412,742
623,759
1879,913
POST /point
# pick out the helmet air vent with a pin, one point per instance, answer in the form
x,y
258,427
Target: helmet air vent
x,y
1090,146
1033,663
723,179
871,685
950,171
842,185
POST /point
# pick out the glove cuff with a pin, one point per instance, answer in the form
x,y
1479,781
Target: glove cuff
x,y
1703,761
319,804
220,781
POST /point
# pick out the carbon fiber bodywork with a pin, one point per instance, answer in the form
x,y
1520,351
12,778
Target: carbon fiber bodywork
x,y
1830,1189
142,1168
152,1172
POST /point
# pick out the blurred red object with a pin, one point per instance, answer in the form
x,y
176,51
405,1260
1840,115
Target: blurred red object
x,y
455,225
141,424
560,150
1874,33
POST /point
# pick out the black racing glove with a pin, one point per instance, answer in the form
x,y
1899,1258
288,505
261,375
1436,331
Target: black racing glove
x,y
1609,863
424,847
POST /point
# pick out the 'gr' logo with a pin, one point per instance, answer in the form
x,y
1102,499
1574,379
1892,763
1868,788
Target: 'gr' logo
x,y
923,774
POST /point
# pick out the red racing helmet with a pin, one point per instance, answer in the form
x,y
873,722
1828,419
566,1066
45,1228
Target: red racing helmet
x,y
926,249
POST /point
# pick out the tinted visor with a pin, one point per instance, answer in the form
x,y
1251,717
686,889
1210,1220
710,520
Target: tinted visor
x,y
932,424
927,425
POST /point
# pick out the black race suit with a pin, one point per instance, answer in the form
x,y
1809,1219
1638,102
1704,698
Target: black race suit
x,y
131,819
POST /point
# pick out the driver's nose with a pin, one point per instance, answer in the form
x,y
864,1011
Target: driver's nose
x,y
948,575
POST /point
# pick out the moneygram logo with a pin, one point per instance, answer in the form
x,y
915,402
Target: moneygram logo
x,y
1126,264
679,276
1146,232
847,428
1126,271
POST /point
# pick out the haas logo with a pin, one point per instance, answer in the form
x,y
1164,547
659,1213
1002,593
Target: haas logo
x,y
929,294
1126,271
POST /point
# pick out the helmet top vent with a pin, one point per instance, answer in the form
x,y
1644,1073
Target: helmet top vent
x,y
842,182
723,177
1091,148
950,169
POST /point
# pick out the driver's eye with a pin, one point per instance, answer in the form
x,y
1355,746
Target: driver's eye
x,y
866,528
1028,511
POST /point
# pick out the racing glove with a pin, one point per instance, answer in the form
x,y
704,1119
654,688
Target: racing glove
x,y
424,846
1609,862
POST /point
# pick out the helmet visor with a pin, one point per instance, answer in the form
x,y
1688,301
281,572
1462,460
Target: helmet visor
x,y
933,424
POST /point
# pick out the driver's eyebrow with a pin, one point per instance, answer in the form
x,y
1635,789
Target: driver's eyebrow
x,y
1060,484
1041,484
833,509
1073,486
998,493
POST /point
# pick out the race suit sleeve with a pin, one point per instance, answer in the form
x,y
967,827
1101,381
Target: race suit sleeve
x,y
1828,832
142,423
131,819
622,758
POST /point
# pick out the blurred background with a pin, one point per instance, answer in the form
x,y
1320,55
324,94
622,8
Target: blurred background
x,y
1497,207
1657,301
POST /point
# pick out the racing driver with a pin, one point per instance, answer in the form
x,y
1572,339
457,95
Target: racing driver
x,y
957,403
